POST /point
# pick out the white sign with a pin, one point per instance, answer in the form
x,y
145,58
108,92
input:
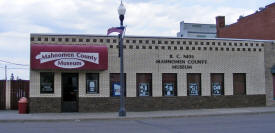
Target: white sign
x,y
68,59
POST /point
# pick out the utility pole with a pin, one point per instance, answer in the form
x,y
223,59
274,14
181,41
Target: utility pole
x,y
5,72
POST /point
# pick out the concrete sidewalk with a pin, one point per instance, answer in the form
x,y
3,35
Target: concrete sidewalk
x,y
13,116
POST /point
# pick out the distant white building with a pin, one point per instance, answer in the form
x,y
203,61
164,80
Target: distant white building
x,y
195,30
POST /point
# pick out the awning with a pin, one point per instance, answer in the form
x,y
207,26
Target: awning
x,y
76,57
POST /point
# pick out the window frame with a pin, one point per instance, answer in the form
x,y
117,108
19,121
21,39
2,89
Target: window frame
x,y
148,82
217,78
47,77
169,79
91,76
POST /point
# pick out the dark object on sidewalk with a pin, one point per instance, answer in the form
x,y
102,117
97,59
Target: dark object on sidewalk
x,y
22,105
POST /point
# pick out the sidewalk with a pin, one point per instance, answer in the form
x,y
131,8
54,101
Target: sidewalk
x,y
13,116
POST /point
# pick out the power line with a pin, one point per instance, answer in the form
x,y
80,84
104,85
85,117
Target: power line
x,y
14,63
14,68
17,68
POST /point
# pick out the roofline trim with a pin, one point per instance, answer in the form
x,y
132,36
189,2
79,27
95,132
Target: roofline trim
x,y
158,37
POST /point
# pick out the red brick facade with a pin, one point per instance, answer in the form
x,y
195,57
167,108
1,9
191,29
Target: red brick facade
x,y
260,25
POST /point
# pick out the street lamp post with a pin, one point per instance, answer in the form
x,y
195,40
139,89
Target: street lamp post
x,y
121,13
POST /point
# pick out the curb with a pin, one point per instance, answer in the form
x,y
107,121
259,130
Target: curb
x,y
138,117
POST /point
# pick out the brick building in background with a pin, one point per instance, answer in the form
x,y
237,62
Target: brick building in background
x,y
260,25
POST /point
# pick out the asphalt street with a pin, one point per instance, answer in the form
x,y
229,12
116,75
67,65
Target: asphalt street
x,y
263,123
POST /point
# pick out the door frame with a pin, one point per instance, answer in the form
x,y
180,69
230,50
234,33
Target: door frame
x,y
62,88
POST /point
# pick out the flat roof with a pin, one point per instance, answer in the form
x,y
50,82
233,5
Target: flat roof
x,y
157,37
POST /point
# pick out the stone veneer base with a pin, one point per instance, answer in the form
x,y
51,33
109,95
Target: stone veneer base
x,y
44,105
111,104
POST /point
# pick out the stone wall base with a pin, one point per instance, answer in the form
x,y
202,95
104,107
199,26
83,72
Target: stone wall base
x,y
44,105
111,104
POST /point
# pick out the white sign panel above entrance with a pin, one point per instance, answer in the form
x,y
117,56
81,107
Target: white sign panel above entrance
x,y
83,57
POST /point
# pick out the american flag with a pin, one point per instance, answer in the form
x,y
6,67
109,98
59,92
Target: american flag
x,y
115,29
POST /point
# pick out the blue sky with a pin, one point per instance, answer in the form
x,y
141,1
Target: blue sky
x,y
19,18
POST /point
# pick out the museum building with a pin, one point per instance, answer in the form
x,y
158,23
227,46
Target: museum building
x,y
80,73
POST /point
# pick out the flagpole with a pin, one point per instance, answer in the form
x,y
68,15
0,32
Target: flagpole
x,y
122,110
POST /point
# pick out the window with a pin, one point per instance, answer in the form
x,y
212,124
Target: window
x,y
115,84
196,25
144,84
239,83
92,83
46,82
202,36
194,84
273,78
169,84
217,84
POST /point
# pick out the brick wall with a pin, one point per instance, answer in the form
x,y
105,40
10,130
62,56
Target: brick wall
x,y
259,25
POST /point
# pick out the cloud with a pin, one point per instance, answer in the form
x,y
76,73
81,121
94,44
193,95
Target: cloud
x,y
19,18
162,19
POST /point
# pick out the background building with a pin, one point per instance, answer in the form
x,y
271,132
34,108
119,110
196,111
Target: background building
x,y
195,30
81,73
259,25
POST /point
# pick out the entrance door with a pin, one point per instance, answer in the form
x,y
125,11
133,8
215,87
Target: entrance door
x,y
69,92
